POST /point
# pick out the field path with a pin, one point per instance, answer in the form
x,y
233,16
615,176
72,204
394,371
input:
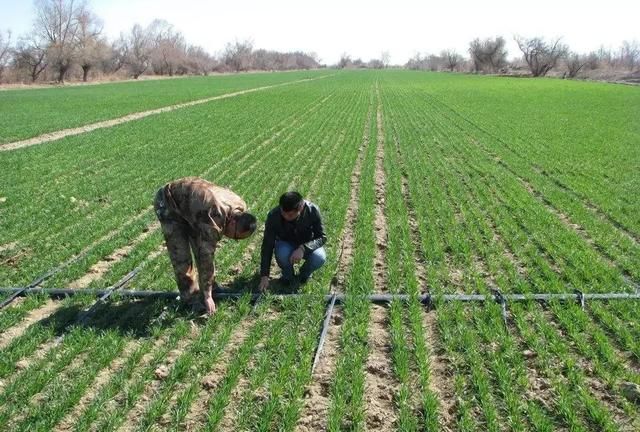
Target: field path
x,y
53,136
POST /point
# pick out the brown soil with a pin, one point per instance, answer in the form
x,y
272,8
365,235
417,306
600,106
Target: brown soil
x,y
8,246
154,386
520,269
53,136
230,417
456,277
209,382
317,394
14,258
481,267
421,271
48,308
94,389
609,398
44,394
380,221
347,239
99,269
440,373
380,384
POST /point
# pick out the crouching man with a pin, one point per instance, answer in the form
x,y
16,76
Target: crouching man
x,y
294,231
194,215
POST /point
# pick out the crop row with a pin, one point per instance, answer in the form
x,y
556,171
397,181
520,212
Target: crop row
x,y
479,205
88,205
194,356
32,112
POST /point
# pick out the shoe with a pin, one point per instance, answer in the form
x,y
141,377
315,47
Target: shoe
x,y
304,279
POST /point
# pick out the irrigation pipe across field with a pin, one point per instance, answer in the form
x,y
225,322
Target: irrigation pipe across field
x,y
332,299
339,298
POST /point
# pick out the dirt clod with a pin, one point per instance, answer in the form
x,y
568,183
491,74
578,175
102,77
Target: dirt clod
x,y
209,382
162,372
22,365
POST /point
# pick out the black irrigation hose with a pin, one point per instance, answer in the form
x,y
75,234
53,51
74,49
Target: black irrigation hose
x,y
374,298
121,283
33,284
323,333
44,277
85,316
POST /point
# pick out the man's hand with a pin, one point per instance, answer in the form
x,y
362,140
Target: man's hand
x,y
209,305
264,283
296,255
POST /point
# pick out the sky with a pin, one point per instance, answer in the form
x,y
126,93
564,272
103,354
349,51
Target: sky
x,y
364,29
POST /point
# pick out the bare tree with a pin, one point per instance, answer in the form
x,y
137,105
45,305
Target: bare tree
x,y
575,63
541,56
345,61
488,55
137,47
30,55
91,49
238,55
630,54
417,62
169,48
385,58
375,64
451,59
118,55
57,23
199,60
5,51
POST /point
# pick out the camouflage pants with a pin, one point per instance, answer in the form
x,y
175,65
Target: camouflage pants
x,y
184,243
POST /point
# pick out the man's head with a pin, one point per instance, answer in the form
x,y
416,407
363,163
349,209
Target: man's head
x,y
291,204
240,226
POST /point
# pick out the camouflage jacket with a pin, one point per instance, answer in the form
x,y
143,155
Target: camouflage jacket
x,y
203,205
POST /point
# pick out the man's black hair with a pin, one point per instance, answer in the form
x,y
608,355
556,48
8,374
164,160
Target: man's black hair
x,y
290,201
246,222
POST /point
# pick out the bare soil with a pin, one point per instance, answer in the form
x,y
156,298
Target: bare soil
x,y
347,240
317,394
44,311
99,269
440,373
152,387
103,377
380,221
196,417
380,383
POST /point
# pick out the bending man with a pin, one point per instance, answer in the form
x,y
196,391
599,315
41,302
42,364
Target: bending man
x,y
194,215
294,230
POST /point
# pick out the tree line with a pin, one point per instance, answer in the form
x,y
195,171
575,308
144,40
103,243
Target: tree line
x,y
67,40
539,57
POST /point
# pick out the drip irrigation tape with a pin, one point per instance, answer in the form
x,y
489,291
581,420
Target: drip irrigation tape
x,y
323,332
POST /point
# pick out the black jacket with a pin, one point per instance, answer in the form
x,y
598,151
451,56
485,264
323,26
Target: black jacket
x,y
307,230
